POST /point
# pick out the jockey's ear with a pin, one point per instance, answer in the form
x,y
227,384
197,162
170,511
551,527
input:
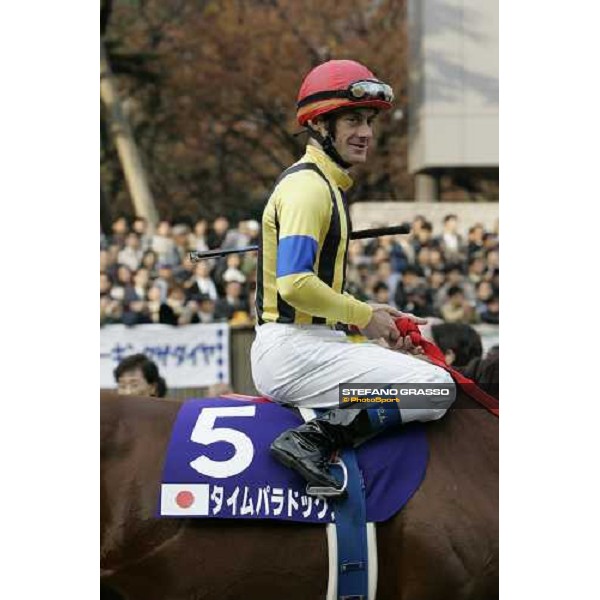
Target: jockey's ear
x,y
154,389
320,124
450,357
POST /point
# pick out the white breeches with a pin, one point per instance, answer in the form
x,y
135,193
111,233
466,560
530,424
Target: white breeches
x,y
302,365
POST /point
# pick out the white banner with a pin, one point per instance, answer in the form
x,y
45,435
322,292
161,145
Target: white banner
x,y
186,356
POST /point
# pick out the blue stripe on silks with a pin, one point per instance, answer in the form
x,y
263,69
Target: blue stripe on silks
x,y
296,254
351,530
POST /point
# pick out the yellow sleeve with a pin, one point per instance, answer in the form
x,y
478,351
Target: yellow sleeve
x,y
306,292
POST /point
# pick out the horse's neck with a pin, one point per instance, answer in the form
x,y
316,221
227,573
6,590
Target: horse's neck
x,y
467,435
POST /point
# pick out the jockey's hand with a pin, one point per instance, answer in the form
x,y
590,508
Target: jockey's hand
x,y
404,344
382,324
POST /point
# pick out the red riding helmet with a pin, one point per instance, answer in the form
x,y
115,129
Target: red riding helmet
x,y
339,83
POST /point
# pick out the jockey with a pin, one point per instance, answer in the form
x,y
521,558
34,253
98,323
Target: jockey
x,y
298,356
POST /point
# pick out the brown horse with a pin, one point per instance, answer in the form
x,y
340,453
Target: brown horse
x,y
442,546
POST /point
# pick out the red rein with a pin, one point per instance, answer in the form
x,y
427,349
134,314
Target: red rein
x,y
406,327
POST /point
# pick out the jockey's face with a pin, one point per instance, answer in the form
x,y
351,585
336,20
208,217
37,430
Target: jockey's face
x,y
133,383
354,134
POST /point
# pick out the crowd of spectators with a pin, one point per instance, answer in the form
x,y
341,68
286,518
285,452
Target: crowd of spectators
x,y
151,279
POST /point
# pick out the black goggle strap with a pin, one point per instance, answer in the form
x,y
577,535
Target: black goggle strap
x,y
350,94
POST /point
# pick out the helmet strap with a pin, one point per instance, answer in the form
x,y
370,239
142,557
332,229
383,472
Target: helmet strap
x,y
327,143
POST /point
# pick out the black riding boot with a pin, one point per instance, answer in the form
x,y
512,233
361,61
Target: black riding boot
x,y
308,448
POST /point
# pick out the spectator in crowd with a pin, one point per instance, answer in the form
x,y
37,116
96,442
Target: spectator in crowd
x,y
253,231
181,240
484,293
476,270
249,265
436,259
411,281
423,237
456,309
137,375
131,255
398,257
237,238
159,311
105,284
107,265
150,262
233,302
490,241
123,279
405,253
228,270
120,229
140,227
111,311
418,270
198,241
384,274
450,241
475,239
381,293
201,282
419,301
184,271
113,258
492,260
435,282
176,302
164,246
417,224
136,312
496,280
455,277
139,289
459,342
201,309
492,313
124,276
423,260
216,236
165,279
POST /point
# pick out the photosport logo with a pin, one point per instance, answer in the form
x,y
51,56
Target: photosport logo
x,y
383,395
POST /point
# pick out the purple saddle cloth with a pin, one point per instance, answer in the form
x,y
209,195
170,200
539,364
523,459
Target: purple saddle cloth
x,y
218,466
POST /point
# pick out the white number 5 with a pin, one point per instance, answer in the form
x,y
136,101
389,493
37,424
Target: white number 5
x,y
206,433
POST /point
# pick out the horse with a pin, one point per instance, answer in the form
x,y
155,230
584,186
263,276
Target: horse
x,y
443,545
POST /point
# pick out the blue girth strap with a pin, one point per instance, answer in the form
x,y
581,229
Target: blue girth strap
x,y
351,514
351,531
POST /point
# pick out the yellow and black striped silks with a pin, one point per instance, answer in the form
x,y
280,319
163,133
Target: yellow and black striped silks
x,y
304,244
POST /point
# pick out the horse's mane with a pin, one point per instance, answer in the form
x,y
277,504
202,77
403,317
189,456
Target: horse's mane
x,y
485,372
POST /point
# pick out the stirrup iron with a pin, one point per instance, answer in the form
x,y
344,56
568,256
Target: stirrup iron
x,y
330,492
